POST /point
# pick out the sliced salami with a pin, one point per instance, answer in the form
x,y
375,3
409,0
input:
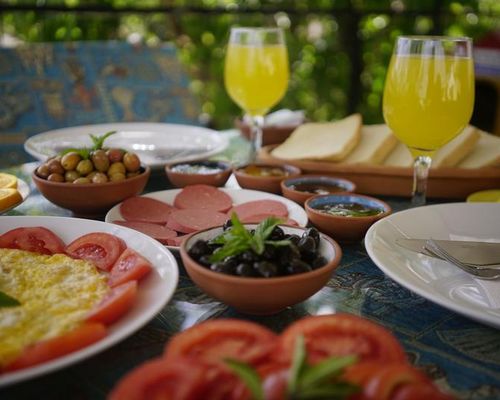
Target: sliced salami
x,y
176,241
260,207
203,197
156,231
145,209
187,221
258,218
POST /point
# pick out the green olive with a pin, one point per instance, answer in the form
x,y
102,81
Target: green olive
x,y
55,167
99,177
70,176
131,162
100,160
117,167
70,160
43,171
85,167
81,180
133,174
55,177
115,155
117,177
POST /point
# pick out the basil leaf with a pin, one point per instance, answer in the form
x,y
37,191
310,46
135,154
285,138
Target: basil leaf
x,y
229,249
332,391
249,376
298,365
8,301
328,368
238,229
99,140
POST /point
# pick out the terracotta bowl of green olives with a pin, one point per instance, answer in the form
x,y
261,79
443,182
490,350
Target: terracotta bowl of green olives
x,y
92,184
268,283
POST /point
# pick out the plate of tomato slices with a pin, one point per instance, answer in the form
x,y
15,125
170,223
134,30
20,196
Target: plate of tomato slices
x,y
132,275
336,356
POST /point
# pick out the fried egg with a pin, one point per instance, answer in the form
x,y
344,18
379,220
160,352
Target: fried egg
x,y
56,293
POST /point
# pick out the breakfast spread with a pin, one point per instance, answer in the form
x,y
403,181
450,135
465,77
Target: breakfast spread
x,y
62,297
9,195
194,208
341,356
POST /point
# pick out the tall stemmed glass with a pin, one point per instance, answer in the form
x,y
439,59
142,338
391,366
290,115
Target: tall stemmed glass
x,y
428,97
256,74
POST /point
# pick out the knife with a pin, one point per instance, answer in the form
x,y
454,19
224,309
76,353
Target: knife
x,y
480,253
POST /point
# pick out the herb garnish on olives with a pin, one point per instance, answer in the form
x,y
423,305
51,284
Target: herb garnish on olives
x,y
265,252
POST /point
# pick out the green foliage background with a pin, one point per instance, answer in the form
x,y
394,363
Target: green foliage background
x,y
318,38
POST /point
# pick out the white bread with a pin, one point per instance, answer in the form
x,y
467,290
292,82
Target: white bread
x,y
331,141
400,156
457,149
486,153
376,143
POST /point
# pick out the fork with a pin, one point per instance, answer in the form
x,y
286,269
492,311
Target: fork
x,y
480,272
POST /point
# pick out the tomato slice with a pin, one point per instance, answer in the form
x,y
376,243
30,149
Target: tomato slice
x,y
36,239
46,350
339,335
116,303
214,341
419,391
103,249
175,379
129,266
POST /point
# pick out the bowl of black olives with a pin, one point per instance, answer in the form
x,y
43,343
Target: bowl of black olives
x,y
89,181
260,269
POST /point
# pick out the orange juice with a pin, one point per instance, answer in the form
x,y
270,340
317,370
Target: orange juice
x,y
428,101
256,77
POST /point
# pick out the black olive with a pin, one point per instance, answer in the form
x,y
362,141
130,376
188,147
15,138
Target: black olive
x,y
245,270
223,268
286,254
249,256
228,224
269,252
277,234
231,260
198,249
307,248
214,246
318,262
313,232
205,260
295,239
298,267
266,269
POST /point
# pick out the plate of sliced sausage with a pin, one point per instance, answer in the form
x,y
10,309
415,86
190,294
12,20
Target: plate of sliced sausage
x,y
169,215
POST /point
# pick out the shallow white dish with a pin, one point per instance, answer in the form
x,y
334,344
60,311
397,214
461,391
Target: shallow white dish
x,y
437,280
156,144
24,189
239,196
154,291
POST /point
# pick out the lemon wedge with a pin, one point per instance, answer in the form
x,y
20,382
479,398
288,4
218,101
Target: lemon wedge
x,y
488,196
7,181
9,197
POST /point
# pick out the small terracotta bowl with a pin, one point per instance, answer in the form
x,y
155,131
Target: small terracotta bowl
x,y
91,198
214,178
271,134
338,185
341,228
264,183
260,296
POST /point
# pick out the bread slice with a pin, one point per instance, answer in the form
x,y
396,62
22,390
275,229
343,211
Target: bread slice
x,y
376,143
330,141
448,156
457,149
486,153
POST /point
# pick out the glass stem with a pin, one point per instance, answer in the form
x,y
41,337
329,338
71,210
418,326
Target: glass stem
x,y
256,136
420,173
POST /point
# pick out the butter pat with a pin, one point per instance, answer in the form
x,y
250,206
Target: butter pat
x,y
486,153
331,141
376,143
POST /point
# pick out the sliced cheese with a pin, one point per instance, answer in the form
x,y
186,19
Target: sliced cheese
x,y
486,153
400,156
457,149
331,141
376,143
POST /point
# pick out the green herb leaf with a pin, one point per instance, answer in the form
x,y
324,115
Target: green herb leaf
x,y
98,141
8,301
330,391
298,365
278,243
249,376
326,369
230,248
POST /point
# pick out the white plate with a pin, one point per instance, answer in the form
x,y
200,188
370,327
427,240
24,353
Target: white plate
x,y
24,189
436,280
239,196
154,291
155,144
